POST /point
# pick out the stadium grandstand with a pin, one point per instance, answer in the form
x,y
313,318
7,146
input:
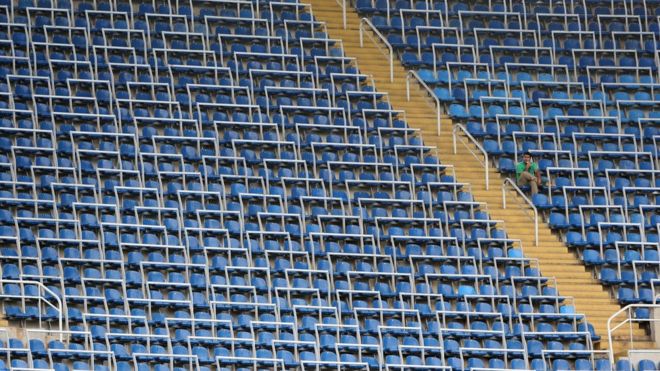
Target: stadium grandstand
x,y
329,185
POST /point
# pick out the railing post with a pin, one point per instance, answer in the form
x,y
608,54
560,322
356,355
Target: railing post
x,y
487,173
609,337
536,228
433,96
343,13
630,330
391,66
513,185
361,35
504,195
481,149
408,86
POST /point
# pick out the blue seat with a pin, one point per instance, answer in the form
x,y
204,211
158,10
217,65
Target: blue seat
x,y
560,364
646,365
214,176
623,365
540,201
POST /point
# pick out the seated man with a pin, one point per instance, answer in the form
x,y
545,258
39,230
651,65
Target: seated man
x,y
527,173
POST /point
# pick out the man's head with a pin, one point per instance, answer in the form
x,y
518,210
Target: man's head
x,y
527,157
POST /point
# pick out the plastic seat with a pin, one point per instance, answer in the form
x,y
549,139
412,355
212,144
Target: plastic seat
x,y
646,365
223,172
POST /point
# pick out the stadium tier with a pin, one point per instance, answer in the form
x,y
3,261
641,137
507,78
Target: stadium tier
x,y
574,83
214,185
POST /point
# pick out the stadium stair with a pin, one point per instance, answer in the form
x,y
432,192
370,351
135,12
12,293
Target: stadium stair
x,y
555,260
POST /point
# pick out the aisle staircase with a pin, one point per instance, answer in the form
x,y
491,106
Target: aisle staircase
x,y
590,297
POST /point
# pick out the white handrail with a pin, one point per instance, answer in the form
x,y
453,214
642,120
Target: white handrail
x,y
629,320
59,308
428,90
481,149
382,38
512,183
342,5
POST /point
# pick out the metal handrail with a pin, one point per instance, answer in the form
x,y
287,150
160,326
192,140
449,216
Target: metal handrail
x,y
382,38
428,90
486,161
513,184
342,5
59,308
629,320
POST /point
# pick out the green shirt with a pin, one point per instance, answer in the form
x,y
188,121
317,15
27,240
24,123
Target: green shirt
x,y
533,168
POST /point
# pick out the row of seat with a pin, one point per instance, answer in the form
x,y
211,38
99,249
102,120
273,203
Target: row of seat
x,y
579,96
218,187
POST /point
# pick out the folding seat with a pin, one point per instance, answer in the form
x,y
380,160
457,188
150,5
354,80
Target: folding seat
x,y
475,363
623,365
601,364
10,271
645,365
626,295
560,364
458,111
